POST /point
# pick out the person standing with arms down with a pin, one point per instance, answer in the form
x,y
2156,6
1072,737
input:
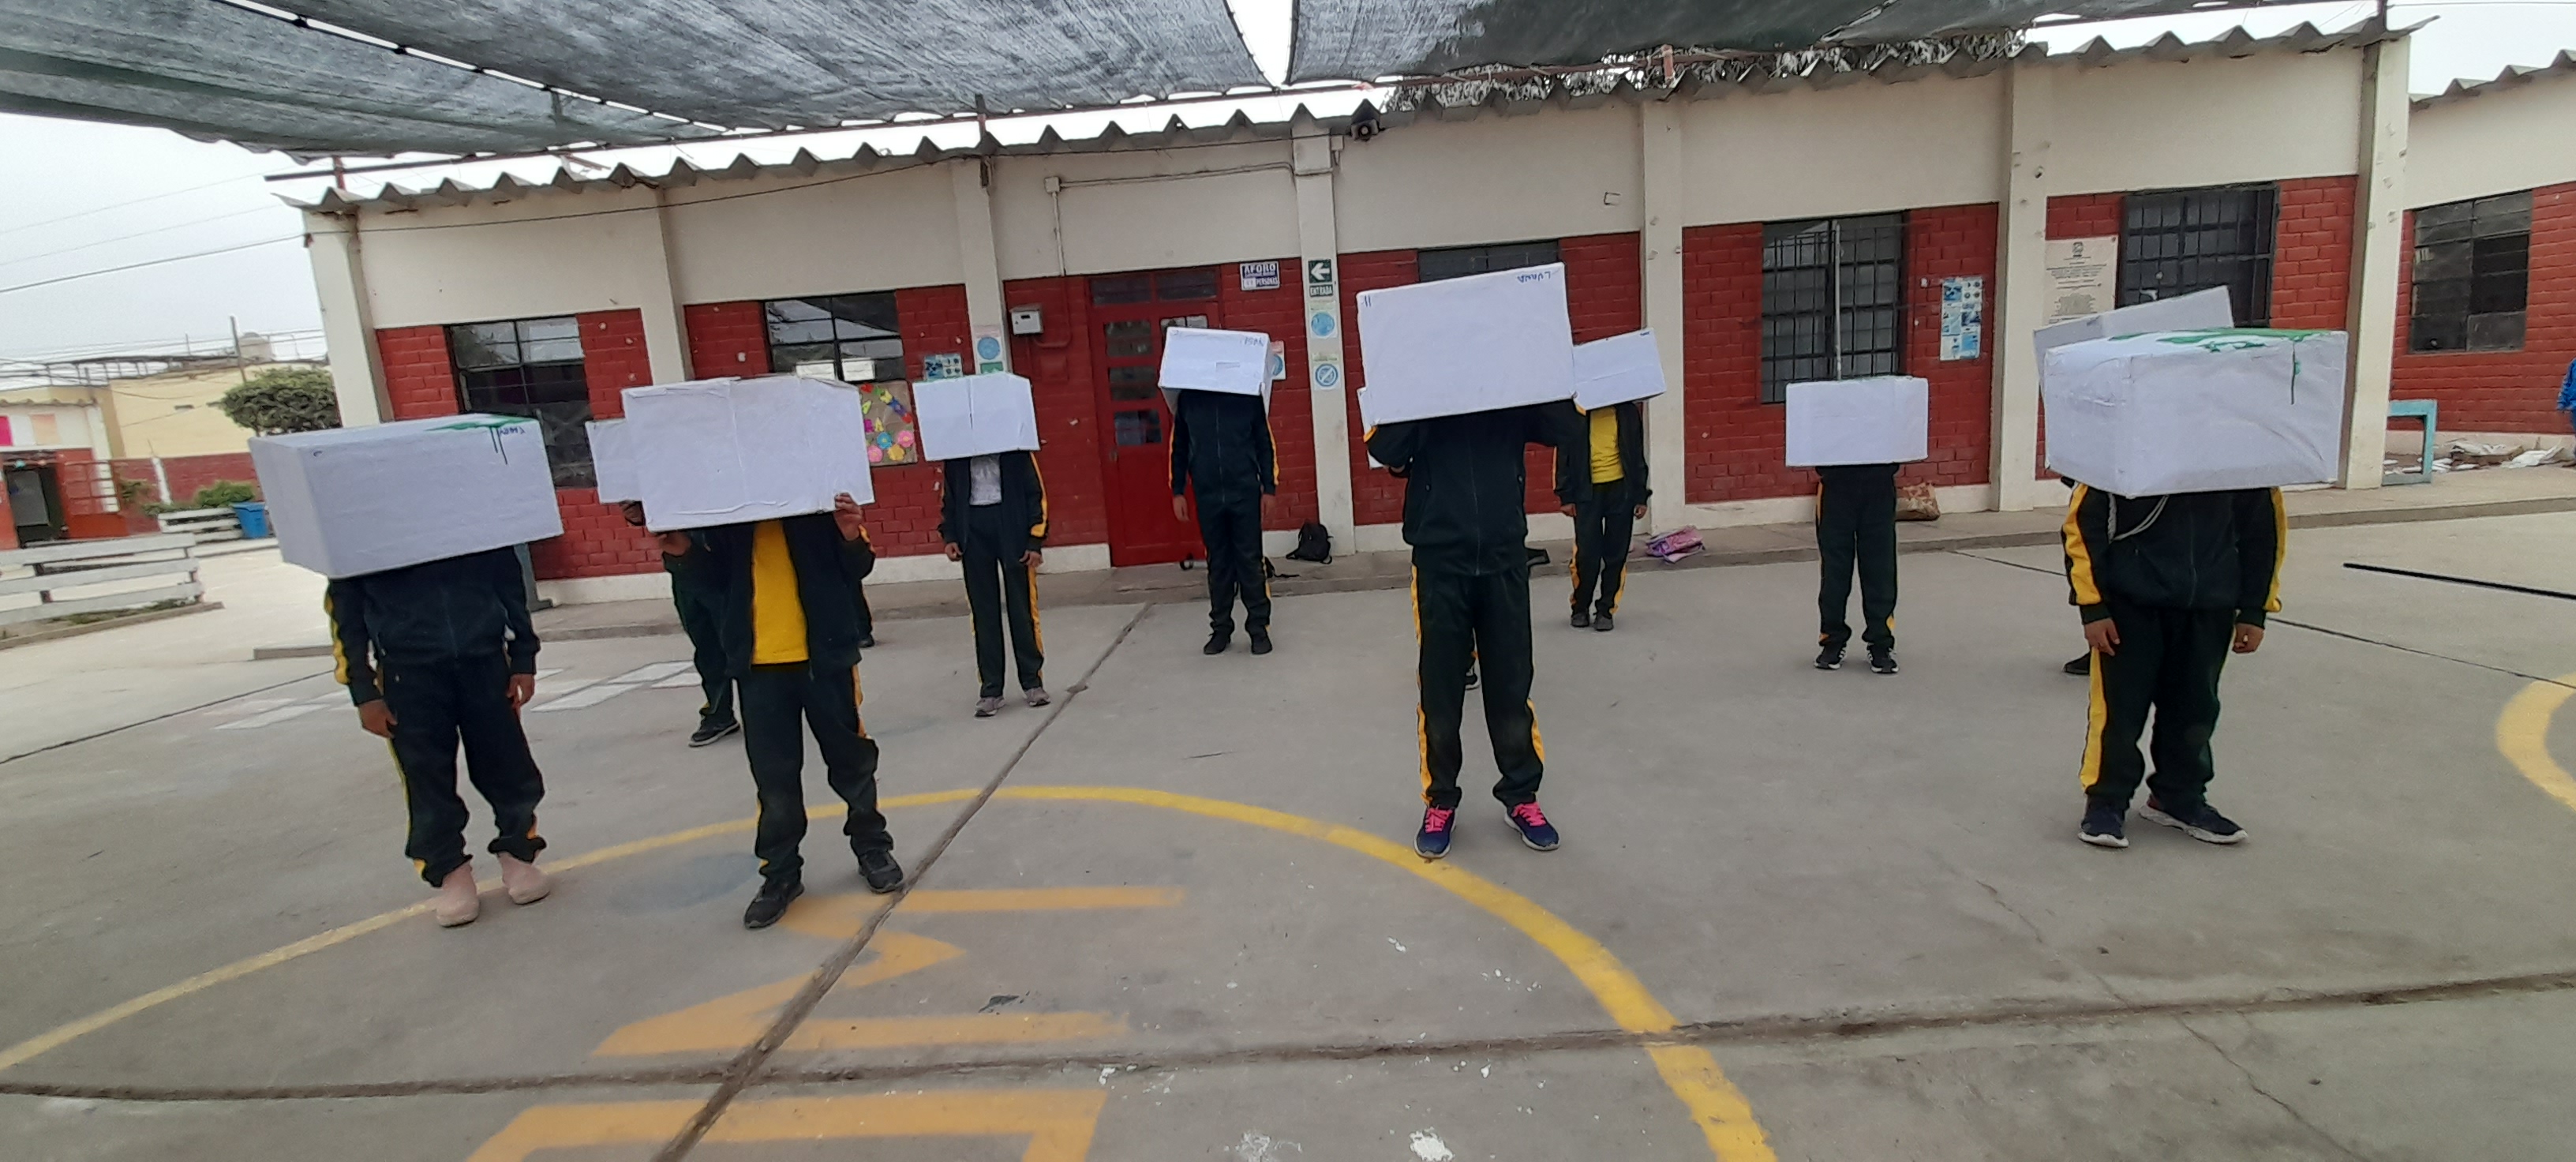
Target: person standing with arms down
x,y
1605,492
1465,478
436,655
1221,448
993,517
700,618
787,591
2168,585
1856,527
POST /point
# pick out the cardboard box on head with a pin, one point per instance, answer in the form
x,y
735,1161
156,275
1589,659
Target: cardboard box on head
x,y
1463,345
1882,419
1616,370
975,415
729,451
2199,310
352,501
2196,411
1198,359
612,463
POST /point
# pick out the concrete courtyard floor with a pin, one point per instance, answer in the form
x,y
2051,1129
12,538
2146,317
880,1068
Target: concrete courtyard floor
x,y
1797,914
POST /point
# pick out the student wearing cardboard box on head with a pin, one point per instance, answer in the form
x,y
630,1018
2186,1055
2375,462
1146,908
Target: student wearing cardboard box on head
x,y
1218,385
1604,490
993,517
1856,434
787,595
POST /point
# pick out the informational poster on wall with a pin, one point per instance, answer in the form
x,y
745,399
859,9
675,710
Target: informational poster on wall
x,y
1258,276
989,345
945,365
1963,318
2083,277
894,433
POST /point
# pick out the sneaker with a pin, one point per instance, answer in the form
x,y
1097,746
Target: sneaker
x,y
1580,620
1532,823
2081,667
1432,841
867,641
2201,822
988,707
709,732
459,900
1882,660
2106,824
1601,622
1471,679
771,903
1217,643
1036,695
524,882
1829,658
1261,642
880,870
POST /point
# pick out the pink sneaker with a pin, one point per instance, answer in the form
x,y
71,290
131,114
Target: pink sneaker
x,y
1432,841
525,882
1532,823
459,900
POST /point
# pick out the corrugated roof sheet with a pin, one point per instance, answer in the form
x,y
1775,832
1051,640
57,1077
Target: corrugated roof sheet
x,y
2512,77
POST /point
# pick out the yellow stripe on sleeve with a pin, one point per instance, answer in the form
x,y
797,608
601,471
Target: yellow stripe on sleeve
x,y
2079,558
2280,550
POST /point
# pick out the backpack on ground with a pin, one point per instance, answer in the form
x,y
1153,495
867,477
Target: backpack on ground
x,y
1314,543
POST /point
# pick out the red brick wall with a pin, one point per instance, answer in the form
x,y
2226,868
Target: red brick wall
x,y
1376,496
2312,253
1281,314
1733,445
726,339
2084,216
1947,242
612,359
187,473
597,541
418,377
1058,366
904,520
2503,391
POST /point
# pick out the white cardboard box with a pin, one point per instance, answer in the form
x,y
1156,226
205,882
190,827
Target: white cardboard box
x,y
1883,419
1197,359
975,415
2196,311
1617,370
352,501
612,463
2196,411
728,451
1464,345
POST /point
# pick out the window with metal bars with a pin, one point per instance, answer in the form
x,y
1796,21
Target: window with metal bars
x,y
2472,274
2174,242
1461,261
852,338
1833,300
532,368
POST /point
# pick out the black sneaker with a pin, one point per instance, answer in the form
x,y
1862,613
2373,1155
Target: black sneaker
x,y
2106,824
880,870
2201,822
867,641
1601,622
1882,660
708,732
1217,644
1580,620
1260,642
2081,667
772,902
1829,658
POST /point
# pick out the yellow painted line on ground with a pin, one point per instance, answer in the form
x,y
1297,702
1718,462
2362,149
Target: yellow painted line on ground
x,y
818,1033
728,1023
2522,733
924,901
1058,1122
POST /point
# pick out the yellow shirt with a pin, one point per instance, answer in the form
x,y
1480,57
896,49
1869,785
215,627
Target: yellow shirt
x,y
777,614
1605,446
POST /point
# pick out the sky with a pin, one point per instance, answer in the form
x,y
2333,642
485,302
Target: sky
x,y
87,197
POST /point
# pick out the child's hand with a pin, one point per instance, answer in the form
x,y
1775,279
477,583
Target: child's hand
x,y
2249,638
522,688
2103,636
1180,508
1031,558
1567,509
672,544
952,550
376,718
1640,514
845,513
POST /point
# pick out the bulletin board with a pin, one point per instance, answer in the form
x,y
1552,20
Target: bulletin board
x,y
893,430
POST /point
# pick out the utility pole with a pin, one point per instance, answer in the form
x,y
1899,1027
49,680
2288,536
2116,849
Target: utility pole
x,y
239,368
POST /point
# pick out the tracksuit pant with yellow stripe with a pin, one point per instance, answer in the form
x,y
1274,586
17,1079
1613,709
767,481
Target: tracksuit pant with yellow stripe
x,y
2168,661
437,706
1483,619
1603,522
1856,531
778,702
997,583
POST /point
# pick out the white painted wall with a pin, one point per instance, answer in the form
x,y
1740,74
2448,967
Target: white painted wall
x,y
1492,178
768,238
2146,125
522,258
1143,211
1863,148
2511,139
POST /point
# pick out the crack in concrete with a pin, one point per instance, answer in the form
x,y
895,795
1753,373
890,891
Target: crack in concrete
x,y
1834,1027
49,747
2268,1095
747,1065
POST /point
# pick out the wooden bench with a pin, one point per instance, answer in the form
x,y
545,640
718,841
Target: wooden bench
x,y
47,570
207,525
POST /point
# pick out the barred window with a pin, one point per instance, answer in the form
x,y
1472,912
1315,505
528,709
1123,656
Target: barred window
x,y
2472,274
1461,261
1833,299
2178,241
532,368
852,338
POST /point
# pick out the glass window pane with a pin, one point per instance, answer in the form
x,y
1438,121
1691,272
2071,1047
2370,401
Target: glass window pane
x,y
1125,288
864,316
810,331
2489,293
2448,260
793,311
1185,284
1138,428
483,345
1134,381
551,351
2497,332
2511,252
2503,214
532,330
785,359
2443,333
1129,338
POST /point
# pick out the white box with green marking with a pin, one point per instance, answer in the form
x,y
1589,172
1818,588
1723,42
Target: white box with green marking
x,y
353,501
2196,411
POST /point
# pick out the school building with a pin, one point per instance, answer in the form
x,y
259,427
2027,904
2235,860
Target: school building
x,y
1914,218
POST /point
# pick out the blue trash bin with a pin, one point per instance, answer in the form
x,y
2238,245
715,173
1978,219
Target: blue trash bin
x,y
254,519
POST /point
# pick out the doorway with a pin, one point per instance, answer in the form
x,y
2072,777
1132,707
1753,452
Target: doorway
x,y
1132,311
35,503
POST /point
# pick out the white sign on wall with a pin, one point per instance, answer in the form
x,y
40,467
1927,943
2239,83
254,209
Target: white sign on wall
x,y
1963,318
2083,277
1258,275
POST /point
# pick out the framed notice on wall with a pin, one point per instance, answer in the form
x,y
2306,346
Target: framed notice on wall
x,y
1963,318
2083,277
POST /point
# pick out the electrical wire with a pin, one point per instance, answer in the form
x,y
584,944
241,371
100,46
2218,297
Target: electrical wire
x,y
153,262
5,231
137,234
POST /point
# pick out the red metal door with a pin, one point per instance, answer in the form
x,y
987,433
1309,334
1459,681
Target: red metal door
x,y
1132,310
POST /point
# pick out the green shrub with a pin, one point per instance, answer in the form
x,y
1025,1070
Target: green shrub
x,y
282,400
223,493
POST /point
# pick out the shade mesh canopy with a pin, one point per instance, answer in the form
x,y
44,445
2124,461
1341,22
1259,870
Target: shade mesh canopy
x,y
1368,39
217,72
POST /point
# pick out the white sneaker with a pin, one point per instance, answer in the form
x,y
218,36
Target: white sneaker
x,y
1036,695
459,901
525,882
